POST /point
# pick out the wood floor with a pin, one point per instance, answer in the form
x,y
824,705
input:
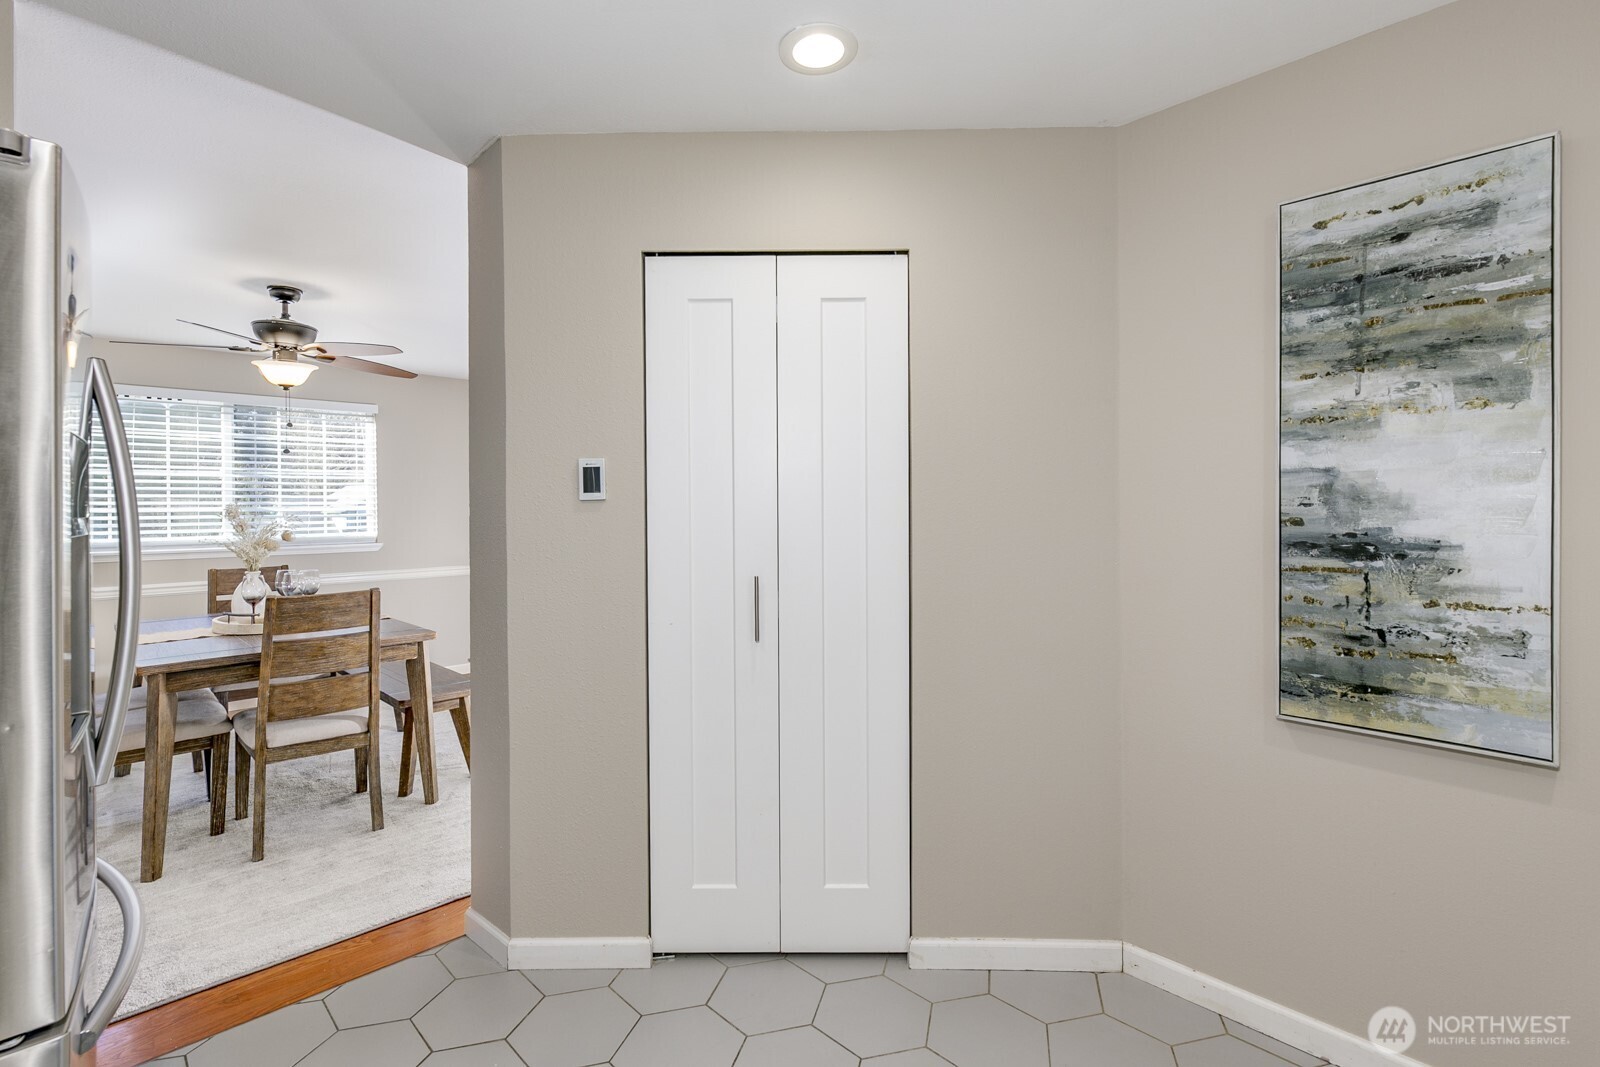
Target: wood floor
x,y
153,1033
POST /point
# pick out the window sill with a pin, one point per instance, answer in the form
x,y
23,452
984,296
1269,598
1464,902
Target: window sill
x,y
218,552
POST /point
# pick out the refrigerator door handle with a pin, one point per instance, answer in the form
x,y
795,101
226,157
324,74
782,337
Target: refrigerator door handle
x,y
102,397
127,960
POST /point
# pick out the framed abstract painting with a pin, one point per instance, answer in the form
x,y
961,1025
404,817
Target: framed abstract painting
x,y
1417,431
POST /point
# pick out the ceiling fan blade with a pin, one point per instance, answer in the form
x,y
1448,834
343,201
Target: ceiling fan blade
x,y
219,329
349,348
181,344
329,359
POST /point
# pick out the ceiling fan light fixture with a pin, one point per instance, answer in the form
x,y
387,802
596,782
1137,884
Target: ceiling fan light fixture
x,y
817,48
283,372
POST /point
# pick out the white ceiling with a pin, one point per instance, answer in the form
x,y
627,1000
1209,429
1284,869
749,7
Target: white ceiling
x,y
202,187
451,76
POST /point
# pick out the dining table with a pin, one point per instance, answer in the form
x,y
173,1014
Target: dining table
x,y
180,655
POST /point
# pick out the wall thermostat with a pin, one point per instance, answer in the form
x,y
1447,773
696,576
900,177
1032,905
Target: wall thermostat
x,y
591,479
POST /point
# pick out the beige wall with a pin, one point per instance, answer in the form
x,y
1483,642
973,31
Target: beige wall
x,y
1014,779
422,489
1331,872
488,447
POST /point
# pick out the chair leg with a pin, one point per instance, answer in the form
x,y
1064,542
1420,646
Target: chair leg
x,y
376,788
217,761
241,780
258,806
124,769
205,760
361,770
408,741
199,762
399,719
461,716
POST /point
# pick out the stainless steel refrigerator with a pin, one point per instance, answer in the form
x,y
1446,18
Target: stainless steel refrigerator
x,y
54,751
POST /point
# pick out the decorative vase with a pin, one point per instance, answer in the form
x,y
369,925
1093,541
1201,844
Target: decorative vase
x,y
253,587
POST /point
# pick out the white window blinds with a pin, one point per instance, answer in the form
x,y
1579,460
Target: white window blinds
x,y
315,465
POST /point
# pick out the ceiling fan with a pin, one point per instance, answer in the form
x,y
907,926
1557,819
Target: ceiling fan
x,y
289,349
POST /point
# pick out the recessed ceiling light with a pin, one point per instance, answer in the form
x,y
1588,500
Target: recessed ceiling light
x,y
817,48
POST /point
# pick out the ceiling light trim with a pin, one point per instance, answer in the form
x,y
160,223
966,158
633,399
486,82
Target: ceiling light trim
x,y
794,38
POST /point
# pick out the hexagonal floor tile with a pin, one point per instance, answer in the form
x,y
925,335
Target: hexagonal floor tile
x,y
397,992
552,982
1155,1011
742,959
384,1045
1049,996
465,958
1102,1039
873,1016
278,1039
984,1032
691,1037
917,1057
486,1007
767,996
1226,1051
937,985
573,1029
668,985
804,1046
839,967
489,1054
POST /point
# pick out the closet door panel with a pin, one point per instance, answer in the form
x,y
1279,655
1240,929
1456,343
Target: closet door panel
x,y
710,381
844,567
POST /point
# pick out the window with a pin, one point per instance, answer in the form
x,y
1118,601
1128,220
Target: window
x,y
315,464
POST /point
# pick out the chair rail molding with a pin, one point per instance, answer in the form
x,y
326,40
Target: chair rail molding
x,y
557,953
109,592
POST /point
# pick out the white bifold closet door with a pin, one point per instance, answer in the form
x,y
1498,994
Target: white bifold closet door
x,y
778,462
711,448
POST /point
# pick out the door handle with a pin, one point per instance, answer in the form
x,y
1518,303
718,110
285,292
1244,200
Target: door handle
x,y
101,396
127,959
756,608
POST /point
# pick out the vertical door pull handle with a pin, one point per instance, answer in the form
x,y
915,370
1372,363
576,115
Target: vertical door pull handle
x,y
756,610
101,397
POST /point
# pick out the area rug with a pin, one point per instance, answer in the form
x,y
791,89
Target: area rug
x,y
214,915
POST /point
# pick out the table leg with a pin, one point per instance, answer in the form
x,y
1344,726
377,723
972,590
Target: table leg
x,y
161,709
419,678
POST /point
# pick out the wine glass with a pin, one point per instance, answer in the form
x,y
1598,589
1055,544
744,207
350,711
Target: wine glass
x,y
286,582
253,590
308,581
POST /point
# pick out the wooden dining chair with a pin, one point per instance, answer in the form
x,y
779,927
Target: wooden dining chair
x,y
222,581
452,692
220,584
317,693
201,726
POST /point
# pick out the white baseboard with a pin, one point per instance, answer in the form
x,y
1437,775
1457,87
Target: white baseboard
x,y
1013,954
489,937
556,953
1273,1019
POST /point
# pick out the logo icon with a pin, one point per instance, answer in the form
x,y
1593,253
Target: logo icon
x,y
1392,1029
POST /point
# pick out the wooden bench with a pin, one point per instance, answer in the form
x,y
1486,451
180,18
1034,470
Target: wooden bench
x,y
452,692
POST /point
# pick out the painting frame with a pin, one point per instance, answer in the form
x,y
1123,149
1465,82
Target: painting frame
x,y
1555,464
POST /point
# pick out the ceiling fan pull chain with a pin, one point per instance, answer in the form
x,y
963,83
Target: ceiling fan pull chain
x,y
288,417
